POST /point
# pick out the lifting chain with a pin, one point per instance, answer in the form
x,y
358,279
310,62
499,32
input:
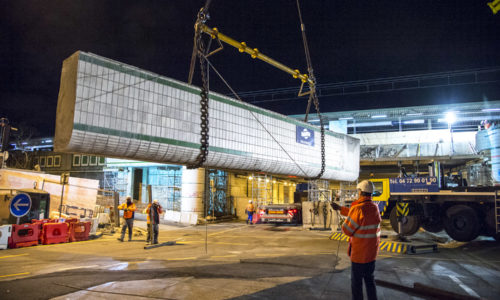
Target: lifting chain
x,y
322,129
313,96
204,136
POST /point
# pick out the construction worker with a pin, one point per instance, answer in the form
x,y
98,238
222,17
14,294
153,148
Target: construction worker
x,y
362,225
153,212
128,214
250,210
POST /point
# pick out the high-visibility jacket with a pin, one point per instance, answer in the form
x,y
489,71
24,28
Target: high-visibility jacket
x,y
128,210
250,208
158,212
362,225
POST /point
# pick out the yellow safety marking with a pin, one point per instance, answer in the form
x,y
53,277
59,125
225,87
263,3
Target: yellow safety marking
x,y
221,256
384,246
182,258
7,256
269,255
18,274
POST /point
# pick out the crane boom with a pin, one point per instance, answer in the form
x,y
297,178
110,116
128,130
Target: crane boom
x,y
254,53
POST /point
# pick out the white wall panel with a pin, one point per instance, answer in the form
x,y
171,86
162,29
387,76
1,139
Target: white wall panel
x,y
111,109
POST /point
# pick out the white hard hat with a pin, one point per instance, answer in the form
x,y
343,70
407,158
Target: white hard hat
x,y
155,201
128,197
365,186
249,201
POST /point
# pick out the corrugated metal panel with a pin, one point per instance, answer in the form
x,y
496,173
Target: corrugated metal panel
x,y
115,110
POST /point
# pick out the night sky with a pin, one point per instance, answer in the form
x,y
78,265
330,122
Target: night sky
x,y
349,40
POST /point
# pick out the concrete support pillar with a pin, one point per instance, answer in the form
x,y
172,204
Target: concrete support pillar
x,y
193,192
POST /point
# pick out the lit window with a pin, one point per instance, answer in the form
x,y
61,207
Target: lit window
x,y
57,161
76,160
50,161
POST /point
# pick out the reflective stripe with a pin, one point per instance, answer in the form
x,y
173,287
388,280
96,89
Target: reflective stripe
x,y
367,235
355,225
348,227
369,227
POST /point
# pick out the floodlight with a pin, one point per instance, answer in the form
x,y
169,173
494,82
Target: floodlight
x,y
450,117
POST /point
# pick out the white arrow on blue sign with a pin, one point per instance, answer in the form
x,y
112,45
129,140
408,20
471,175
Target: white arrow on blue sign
x,y
20,205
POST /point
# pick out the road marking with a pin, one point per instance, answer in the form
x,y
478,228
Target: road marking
x,y
9,275
221,256
219,232
182,258
464,287
270,255
73,268
7,256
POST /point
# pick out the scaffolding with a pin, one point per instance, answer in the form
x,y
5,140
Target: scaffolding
x,y
262,189
219,204
319,190
116,180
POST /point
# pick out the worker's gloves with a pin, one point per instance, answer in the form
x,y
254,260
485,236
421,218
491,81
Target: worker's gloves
x,y
335,206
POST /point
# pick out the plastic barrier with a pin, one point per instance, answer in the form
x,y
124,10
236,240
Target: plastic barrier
x,y
54,233
79,231
5,233
71,220
24,235
94,223
40,225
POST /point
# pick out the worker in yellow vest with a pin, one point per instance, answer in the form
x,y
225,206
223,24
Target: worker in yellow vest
x,y
128,214
250,210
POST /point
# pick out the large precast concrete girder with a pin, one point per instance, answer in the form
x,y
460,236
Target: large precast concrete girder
x,y
111,109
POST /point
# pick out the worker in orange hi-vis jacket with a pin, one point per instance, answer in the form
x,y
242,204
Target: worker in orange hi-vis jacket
x,y
362,225
249,211
128,214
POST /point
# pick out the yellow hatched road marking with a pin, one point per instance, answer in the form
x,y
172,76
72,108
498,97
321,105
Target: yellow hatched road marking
x,y
18,274
16,255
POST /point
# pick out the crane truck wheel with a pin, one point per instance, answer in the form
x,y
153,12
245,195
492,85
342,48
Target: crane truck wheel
x,y
461,223
433,225
411,224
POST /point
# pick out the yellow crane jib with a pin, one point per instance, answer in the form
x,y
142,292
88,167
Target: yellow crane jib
x,y
254,53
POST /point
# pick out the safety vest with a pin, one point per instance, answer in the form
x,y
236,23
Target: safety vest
x,y
158,212
250,207
129,212
362,225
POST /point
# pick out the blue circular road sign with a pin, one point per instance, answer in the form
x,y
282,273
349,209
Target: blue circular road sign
x,y
20,205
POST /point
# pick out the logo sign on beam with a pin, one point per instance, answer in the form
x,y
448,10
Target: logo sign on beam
x,y
20,205
305,136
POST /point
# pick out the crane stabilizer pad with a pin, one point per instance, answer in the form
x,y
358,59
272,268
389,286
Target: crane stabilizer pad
x,y
411,247
169,243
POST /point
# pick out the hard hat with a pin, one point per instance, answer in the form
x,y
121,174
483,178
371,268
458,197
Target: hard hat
x,y
155,201
129,198
365,186
249,201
